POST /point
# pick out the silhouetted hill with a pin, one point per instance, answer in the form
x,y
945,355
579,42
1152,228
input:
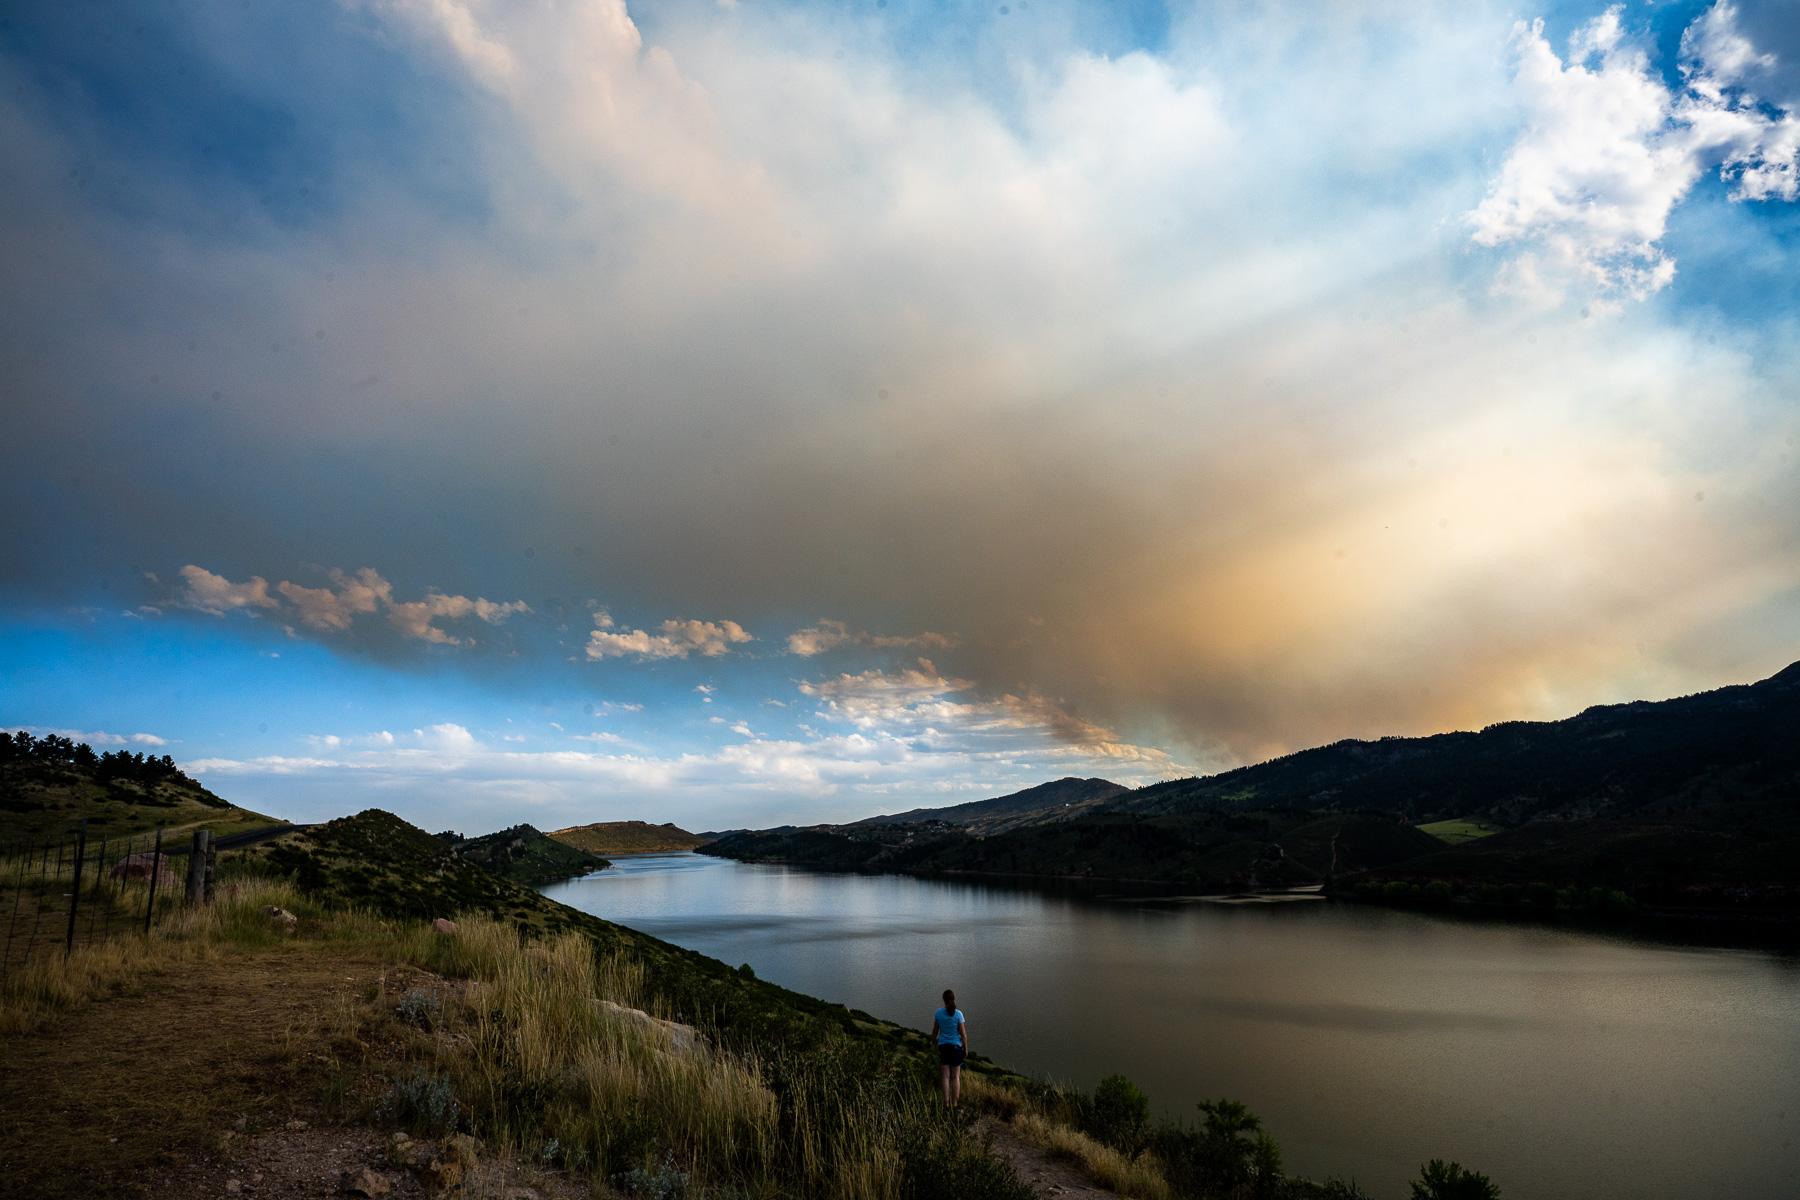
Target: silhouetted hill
x,y
1058,800
1642,760
525,855
627,837
1210,852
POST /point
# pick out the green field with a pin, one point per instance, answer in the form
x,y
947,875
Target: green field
x,y
1458,831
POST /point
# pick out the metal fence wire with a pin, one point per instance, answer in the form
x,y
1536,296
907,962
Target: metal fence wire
x,y
58,894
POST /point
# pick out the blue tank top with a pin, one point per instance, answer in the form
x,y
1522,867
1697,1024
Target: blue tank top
x,y
947,1022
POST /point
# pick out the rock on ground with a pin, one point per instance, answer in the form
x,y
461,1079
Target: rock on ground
x,y
324,1163
674,1036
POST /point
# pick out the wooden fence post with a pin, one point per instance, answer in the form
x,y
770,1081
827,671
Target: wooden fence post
x,y
196,877
155,870
75,891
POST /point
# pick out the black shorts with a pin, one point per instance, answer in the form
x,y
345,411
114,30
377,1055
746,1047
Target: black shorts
x,y
950,1055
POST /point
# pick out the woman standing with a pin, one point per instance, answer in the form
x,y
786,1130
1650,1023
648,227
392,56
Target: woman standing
x,y
952,1034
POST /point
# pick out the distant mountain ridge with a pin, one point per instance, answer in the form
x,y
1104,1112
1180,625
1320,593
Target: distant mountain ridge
x,y
1058,800
1685,809
1606,761
628,837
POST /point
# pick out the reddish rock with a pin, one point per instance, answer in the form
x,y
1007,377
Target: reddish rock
x,y
365,1182
137,868
444,926
442,1174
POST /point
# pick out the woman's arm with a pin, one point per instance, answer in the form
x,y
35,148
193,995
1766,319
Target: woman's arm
x,y
962,1027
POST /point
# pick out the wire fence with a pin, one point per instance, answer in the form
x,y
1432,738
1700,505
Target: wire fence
x,y
58,894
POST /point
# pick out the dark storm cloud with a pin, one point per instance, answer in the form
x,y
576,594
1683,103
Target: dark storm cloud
x,y
1102,382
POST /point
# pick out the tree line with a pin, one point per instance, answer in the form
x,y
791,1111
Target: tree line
x,y
54,750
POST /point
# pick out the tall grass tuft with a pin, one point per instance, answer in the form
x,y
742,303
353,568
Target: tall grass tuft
x,y
1137,1176
560,1052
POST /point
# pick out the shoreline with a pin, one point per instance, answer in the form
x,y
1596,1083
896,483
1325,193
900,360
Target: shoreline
x,y
1697,928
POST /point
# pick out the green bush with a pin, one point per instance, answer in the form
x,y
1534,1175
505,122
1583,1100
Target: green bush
x,y
663,1181
944,1163
419,1007
1331,1189
1228,1155
1609,900
1440,1180
1119,1114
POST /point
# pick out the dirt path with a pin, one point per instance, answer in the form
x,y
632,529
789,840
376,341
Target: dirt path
x,y
1047,1176
122,1090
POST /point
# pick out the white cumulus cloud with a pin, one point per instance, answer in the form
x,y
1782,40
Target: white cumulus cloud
x,y
1609,150
674,638
203,590
350,594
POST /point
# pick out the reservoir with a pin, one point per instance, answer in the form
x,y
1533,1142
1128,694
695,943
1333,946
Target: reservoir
x,y
1561,1064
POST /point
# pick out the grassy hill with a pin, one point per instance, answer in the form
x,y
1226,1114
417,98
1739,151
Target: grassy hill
x,y
49,785
1058,800
377,862
524,855
627,837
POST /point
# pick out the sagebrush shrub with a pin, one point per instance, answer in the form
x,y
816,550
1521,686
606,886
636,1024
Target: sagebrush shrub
x,y
423,1101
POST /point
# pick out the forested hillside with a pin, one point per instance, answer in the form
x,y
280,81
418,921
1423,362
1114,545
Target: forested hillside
x,y
50,784
1644,759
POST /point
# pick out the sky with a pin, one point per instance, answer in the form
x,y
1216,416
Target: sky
x,y
748,413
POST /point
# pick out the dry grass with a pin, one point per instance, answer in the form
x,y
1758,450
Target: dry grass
x,y
51,982
989,1096
565,1056
1139,1177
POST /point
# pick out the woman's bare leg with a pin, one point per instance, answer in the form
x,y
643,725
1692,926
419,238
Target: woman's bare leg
x,y
944,1083
955,1086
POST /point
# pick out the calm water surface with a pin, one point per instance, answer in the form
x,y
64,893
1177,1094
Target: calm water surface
x,y
1567,1066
